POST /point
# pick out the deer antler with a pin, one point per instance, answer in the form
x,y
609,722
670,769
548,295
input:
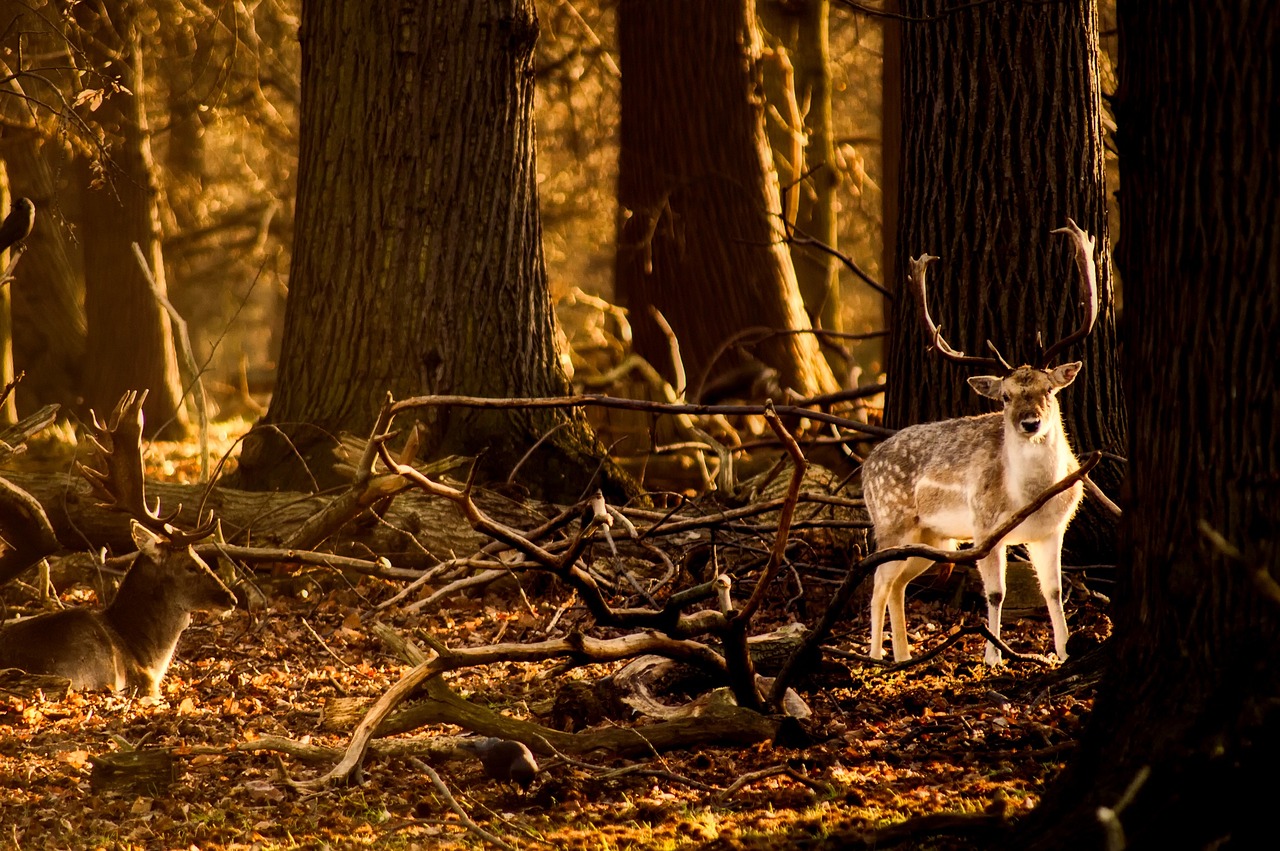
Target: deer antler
x,y
1084,245
919,265
122,485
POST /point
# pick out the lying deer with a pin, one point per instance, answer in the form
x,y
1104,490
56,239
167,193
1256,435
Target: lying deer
x,y
938,482
129,644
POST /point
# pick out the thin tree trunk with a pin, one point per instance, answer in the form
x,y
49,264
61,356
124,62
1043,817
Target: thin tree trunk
x,y
419,265
890,155
1188,715
1002,142
701,240
802,141
9,407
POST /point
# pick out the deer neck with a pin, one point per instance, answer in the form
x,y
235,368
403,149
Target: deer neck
x,y
1039,461
147,621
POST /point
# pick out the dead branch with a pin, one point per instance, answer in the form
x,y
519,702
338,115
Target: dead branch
x,y
742,672
435,703
773,771
936,651
378,568
785,515
1102,497
564,564
453,804
603,401
435,747
25,532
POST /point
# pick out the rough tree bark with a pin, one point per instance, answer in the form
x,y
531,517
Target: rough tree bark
x,y
1001,143
701,240
418,266
129,342
1188,715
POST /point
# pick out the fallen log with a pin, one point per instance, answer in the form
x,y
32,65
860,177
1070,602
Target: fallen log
x,y
414,531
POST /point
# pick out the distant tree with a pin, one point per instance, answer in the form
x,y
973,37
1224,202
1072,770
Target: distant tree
x,y
68,111
798,90
1001,143
418,263
226,138
129,344
41,134
701,239
47,297
1186,726
8,408
87,87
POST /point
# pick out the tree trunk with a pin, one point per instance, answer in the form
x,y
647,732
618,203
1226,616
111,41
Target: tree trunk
x,y
890,153
130,340
8,407
1002,142
419,268
798,88
48,312
1187,717
701,240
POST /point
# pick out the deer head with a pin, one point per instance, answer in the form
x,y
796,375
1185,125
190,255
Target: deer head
x,y
1028,393
1029,396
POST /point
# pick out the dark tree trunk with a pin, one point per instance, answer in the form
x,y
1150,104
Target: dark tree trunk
x,y
418,266
804,150
890,153
1193,694
701,240
1002,142
129,343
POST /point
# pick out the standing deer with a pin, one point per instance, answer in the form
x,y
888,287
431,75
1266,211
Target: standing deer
x,y
129,643
937,482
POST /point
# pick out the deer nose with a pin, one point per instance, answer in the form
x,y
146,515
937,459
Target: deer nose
x,y
1030,426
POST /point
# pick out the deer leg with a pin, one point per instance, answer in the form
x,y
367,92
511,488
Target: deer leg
x,y
886,575
890,589
879,598
1046,555
992,569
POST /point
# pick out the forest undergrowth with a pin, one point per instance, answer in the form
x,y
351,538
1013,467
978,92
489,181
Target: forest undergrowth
x,y
947,738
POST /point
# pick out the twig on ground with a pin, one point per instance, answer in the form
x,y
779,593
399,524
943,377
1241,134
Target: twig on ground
x,y
444,792
324,646
772,771
933,652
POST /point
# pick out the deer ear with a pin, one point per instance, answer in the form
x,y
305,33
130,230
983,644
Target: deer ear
x,y
1063,375
148,542
987,385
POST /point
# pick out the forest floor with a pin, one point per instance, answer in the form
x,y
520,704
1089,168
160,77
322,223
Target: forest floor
x,y
949,736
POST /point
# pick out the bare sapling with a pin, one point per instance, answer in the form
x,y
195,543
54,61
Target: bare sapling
x,y
129,644
941,482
